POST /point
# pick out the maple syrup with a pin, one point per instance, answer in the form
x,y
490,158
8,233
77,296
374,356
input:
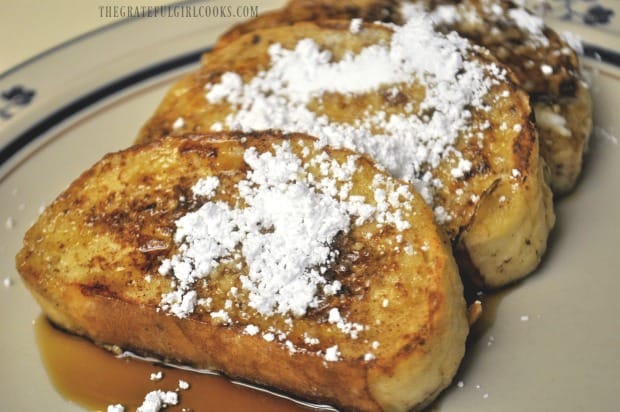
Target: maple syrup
x,y
94,378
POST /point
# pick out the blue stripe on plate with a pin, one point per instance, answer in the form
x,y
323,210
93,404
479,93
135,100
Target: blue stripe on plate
x,y
602,54
85,101
596,52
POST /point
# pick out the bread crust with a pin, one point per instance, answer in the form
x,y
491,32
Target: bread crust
x,y
86,259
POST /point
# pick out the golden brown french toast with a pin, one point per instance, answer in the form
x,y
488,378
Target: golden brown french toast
x,y
258,255
545,65
430,108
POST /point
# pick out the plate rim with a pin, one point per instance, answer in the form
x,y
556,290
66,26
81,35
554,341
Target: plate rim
x,y
133,78
46,102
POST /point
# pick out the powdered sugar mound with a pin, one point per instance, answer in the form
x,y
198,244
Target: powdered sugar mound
x,y
300,224
332,354
350,328
206,187
201,248
529,23
406,145
447,14
531,26
355,26
284,232
573,41
180,302
230,86
251,330
157,400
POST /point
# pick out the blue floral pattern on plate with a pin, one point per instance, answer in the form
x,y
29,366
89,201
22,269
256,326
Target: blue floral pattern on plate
x,y
595,22
588,12
13,99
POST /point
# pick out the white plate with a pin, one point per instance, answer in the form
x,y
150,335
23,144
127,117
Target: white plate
x,y
551,343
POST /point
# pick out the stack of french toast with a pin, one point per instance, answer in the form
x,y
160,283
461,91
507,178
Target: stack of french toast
x,y
301,210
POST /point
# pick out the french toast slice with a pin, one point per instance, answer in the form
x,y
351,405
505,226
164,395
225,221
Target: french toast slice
x,y
547,68
307,270
430,108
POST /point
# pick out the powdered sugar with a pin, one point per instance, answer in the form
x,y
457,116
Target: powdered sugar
x,y
206,187
180,302
178,123
278,233
547,118
443,13
355,26
332,354
157,400
302,222
10,223
405,144
484,12
156,376
530,23
283,233
350,328
282,228
573,41
546,69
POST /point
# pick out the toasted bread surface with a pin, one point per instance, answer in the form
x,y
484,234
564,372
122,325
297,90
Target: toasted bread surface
x,y
544,64
389,338
497,213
